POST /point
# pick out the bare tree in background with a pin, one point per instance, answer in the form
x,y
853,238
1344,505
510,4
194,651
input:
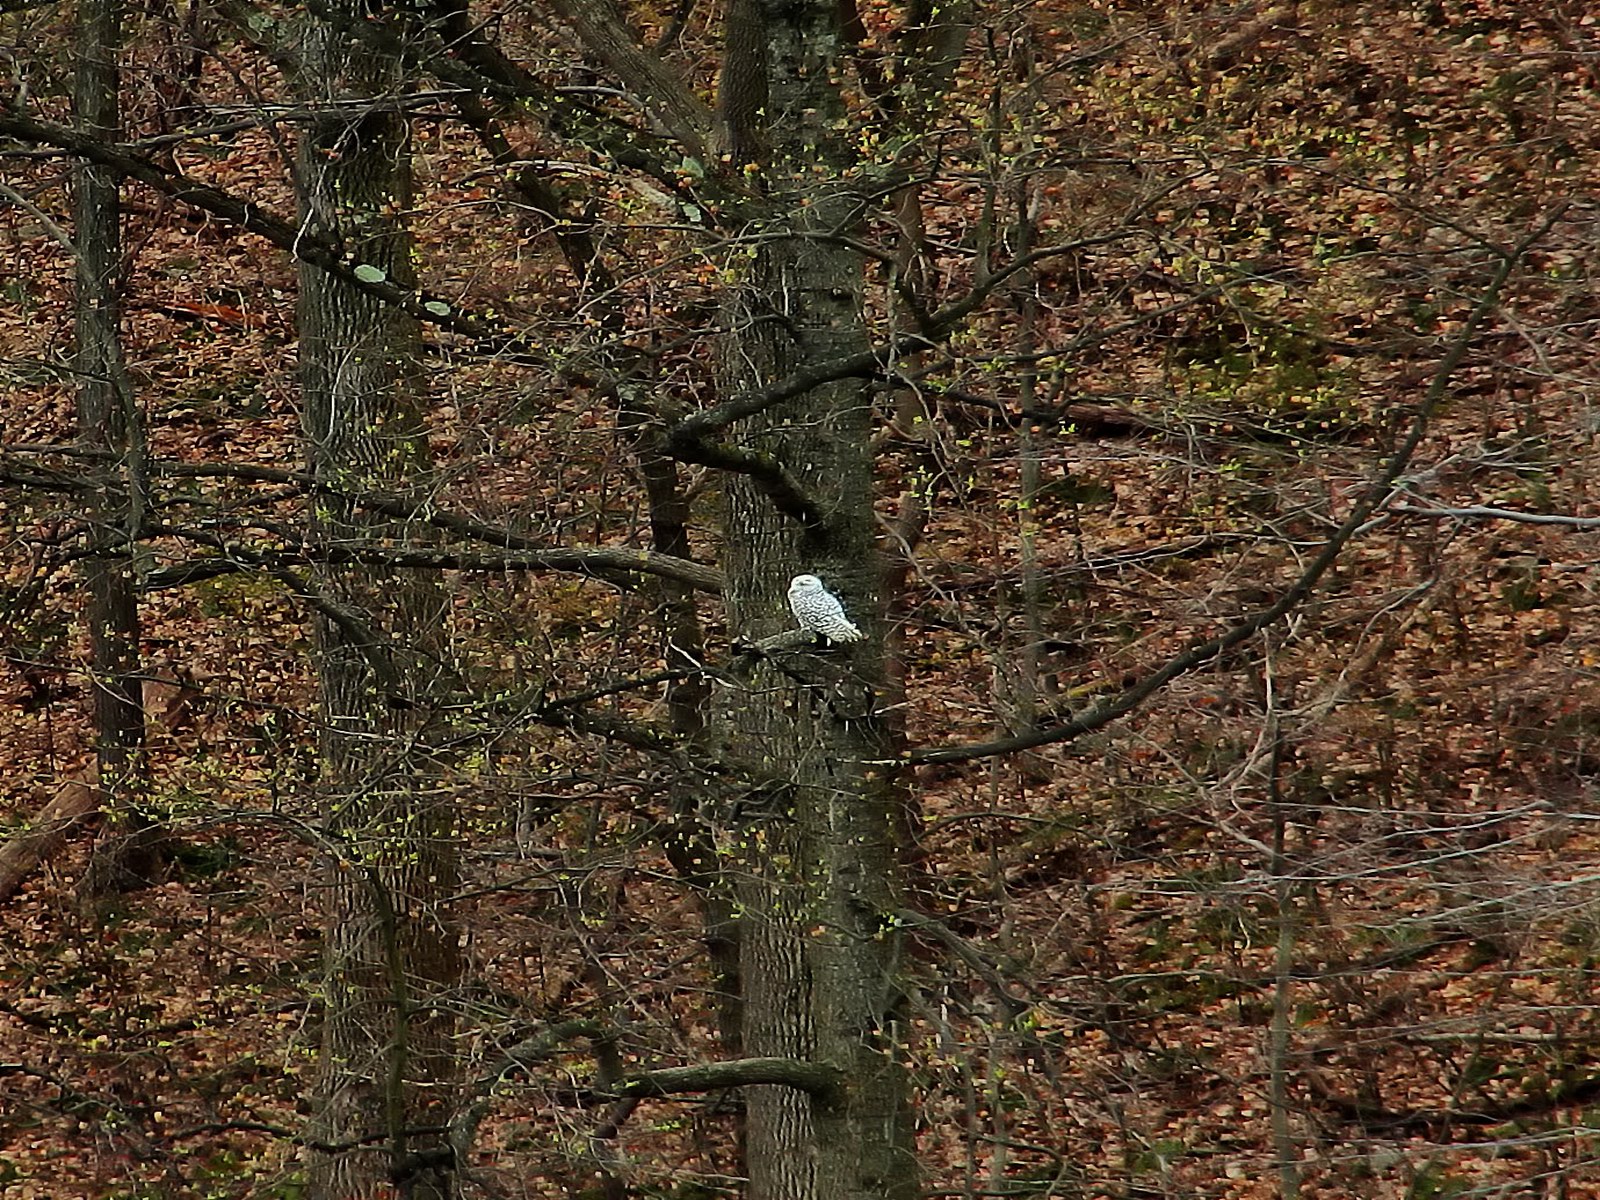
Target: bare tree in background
x,y
386,1060
109,427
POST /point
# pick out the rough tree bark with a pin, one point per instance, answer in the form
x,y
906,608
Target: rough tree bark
x,y
820,944
387,1061
108,423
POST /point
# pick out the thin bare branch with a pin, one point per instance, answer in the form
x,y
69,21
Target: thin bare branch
x,y
247,215
1485,512
1372,499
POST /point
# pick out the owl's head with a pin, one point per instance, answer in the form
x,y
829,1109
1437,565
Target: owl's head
x,y
804,585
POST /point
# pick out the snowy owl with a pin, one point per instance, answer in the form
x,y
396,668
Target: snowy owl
x,y
819,610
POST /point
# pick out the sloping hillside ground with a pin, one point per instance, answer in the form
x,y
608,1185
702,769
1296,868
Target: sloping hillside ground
x,y
1351,867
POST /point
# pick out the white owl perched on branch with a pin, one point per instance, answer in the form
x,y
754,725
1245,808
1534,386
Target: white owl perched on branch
x,y
818,610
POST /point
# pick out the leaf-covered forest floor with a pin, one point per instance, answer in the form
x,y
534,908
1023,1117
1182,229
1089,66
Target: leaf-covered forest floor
x,y
1355,859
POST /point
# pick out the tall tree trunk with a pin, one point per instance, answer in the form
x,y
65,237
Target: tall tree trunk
x,y
822,890
107,422
387,1063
